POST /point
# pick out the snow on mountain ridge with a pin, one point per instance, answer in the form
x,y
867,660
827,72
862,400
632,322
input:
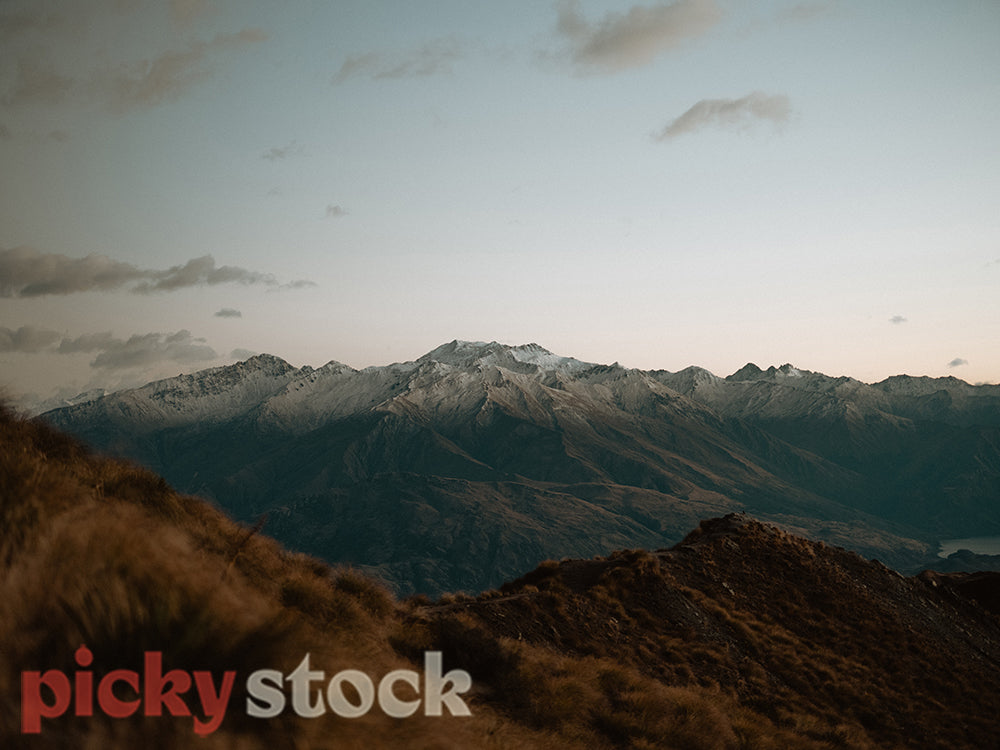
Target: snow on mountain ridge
x,y
460,353
272,392
537,355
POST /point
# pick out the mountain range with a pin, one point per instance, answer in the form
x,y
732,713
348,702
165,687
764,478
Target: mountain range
x,y
471,464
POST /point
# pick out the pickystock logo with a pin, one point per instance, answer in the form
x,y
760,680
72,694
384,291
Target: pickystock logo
x,y
120,693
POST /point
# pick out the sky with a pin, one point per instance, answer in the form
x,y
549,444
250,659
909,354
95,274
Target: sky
x,y
186,183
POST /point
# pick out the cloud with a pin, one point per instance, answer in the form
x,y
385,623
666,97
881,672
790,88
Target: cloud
x,y
729,112
228,312
358,65
299,284
282,152
30,38
150,82
27,339
432,58
335,212
958,362
88,342
29,33
113,353
198,271
635,38
897,319
147,349
242,354
26,272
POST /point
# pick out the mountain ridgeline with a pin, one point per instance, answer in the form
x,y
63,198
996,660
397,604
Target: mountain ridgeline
x,y
464,468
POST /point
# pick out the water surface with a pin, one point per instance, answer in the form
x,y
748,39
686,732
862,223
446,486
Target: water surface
x,y
981,545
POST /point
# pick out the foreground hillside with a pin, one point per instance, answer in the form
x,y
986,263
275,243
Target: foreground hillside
x,y
742,636
462,469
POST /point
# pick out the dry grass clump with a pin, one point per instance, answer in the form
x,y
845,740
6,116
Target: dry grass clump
x,y
101,553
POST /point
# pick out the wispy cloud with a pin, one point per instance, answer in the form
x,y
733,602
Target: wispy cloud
x,y
434,57
139,350
278,153
897,320
199,271
28,339
143,350
26,272
112,353
958,362
167,76
299,284
335,212
88,342
228,312
34,71
636,37
729,113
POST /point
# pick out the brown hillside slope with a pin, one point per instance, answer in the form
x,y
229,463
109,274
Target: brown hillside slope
x,y
769,627
99,553
741,637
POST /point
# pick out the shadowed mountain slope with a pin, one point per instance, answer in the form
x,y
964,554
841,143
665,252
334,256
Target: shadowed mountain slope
x,y
514,454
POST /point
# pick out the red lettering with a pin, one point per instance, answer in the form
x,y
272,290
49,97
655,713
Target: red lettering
x,y
213,704
109,702
84,683
50,694
33,708
155,682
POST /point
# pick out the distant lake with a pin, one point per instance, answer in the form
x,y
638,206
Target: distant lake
x,y
981,545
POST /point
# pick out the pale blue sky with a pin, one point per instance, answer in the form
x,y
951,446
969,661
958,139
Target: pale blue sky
x,y
659,184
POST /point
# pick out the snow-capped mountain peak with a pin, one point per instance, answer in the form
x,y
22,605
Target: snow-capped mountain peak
x,y
467,354
461,353
546,360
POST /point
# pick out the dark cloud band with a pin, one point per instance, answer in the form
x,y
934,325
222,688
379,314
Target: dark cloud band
x,y
26,272
139,350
